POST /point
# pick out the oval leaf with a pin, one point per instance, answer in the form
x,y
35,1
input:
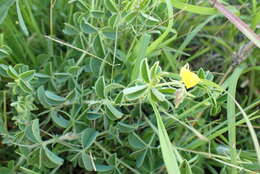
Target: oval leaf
x,y
54,98
112,112
12,73
41,97
28,75
100,87
87,28
25,86
136,142
88,137
135,92
59,120
157,95
87,162
53,157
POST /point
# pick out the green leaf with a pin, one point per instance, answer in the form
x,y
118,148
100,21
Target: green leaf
x,y
53,157
112,112
112,160
167,90
103,168
157,95
73,70
88,137
20,19
28,75
27,171
136,142
100,87
140,156
70,30
231,111
119,98
114,20
53,98
145,71
109,33
87,162
97,13
135,92
111,6
41,97
12,73
5,52
3,70
185,168
150,18
125,128
139,54
113,86
87,28
59,120
167,147
36,130
99,47
201,73
29,134
193,8
155,70
4,7
93,116
130,17
5,170
25,86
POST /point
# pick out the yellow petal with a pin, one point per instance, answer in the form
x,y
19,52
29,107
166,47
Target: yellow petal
x,y
189,78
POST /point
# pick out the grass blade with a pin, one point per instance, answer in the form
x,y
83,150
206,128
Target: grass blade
x,y
194,8
166,146
231,116
20,18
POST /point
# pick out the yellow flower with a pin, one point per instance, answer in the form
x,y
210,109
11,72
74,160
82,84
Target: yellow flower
x,y
189,78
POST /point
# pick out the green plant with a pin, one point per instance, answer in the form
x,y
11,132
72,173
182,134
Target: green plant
x,y
95,87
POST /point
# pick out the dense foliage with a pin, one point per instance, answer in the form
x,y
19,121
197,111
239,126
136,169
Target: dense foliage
x,y
94,86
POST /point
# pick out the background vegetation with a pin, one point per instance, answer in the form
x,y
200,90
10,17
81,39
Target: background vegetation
x,y
83,82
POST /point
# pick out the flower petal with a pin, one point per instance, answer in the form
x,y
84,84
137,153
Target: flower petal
x,y
189,78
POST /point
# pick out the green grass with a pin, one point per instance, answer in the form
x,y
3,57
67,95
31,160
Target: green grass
x,y
94,87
